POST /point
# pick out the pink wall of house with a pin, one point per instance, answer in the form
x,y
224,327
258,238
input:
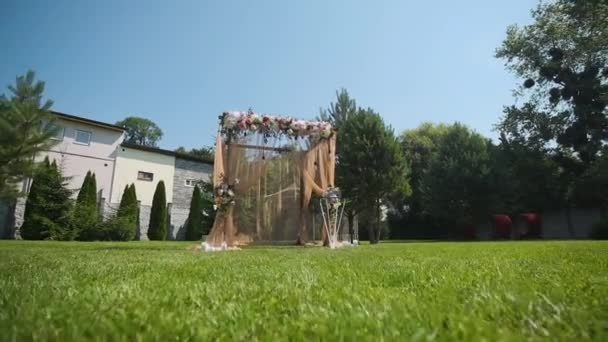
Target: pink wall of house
x,y
75,157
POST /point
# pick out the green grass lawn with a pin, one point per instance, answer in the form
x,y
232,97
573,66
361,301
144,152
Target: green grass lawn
x,y
395,291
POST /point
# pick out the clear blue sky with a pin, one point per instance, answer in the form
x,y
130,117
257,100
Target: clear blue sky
x,y
181,63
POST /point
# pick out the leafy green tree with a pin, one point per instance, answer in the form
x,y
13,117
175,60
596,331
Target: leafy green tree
x,y
26,128
157,229
141,131
526,179
194,223
562,57
409,219
591,188
48,206
457,188
205,153
371,152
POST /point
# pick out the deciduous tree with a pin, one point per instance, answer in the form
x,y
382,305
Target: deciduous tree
x,y
141,131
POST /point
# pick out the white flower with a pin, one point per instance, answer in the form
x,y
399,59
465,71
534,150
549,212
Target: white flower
x,y
214,207
383,212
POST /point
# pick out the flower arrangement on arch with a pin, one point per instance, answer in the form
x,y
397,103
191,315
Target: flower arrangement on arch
x,y
224,194
333,195
241,123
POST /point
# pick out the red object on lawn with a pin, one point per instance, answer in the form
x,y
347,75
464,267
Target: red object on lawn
x,y
533,225
502,226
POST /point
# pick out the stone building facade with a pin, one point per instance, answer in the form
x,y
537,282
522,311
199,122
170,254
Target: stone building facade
x,y
189,171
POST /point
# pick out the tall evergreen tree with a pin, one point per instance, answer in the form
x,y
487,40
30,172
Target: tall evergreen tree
x,y
157,229
84,190
92,191
85,215
47,211
25,129
128,210
371,152
194,223
338,114
133,198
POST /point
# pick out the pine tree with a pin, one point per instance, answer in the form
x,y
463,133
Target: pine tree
x,y
47,212
26,128
194,223
157,230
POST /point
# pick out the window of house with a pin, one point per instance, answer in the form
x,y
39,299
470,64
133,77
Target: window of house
x,y
145,176
82,137
192,182
59,131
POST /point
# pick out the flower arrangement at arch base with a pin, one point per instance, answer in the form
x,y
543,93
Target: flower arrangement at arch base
x,y
224,194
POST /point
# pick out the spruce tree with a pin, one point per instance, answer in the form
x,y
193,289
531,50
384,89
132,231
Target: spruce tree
x,y
194,223
47,212
157,229
25,129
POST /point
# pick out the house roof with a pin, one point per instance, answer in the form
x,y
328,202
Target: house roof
x,y
167,153
87,121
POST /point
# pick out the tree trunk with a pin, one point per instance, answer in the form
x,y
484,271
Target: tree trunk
x,y
569,219
351,230
378,223
371,233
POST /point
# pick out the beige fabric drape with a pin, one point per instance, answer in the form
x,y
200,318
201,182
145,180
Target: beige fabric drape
x,y
274,190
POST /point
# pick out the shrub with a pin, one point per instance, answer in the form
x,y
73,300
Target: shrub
x,y
118,229
600,229
157,230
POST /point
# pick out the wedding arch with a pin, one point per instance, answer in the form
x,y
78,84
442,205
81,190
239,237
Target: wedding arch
x,y
267,171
